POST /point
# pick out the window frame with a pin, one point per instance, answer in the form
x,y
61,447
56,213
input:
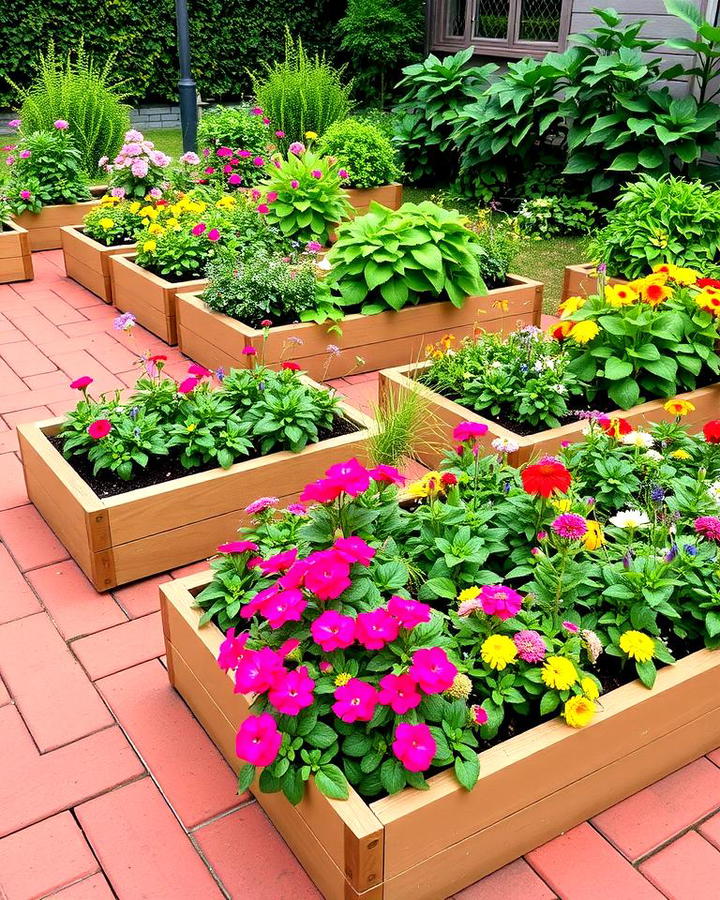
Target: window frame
x,y
511,47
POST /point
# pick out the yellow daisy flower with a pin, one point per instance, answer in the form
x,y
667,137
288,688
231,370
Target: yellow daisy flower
x,y
637,645
559,673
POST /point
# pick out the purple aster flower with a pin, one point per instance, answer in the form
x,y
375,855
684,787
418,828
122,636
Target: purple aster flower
x,y
124,322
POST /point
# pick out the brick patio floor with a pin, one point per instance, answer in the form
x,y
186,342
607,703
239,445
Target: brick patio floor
x,y
108,785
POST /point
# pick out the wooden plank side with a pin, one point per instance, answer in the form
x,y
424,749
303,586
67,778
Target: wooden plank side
x,y
10,242
463,863
88,262
44,227
546,759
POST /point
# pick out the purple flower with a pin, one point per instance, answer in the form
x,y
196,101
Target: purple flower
x,y
316,173
261,504
117,192
14,123
124,322
25,154
297,148
61,124
344,174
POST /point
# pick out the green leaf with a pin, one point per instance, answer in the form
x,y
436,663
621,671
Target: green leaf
x,y
392,776
665,368
440,587
331,782
651,158
615,368
646,672
246,776
549,703
293,786
321,736
687,11
625,393
624,162
712,623
467,771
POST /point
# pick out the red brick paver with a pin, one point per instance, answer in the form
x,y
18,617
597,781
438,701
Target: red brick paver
x,y
108,785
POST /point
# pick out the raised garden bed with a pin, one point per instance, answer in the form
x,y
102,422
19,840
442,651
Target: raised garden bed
x,y
389,338
15,253
390,195
580,281
87,261
44,227
532,787
449,413
150,298
151,529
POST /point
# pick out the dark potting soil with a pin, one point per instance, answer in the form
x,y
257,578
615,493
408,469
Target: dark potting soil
x,y
174,279
167,468
123,243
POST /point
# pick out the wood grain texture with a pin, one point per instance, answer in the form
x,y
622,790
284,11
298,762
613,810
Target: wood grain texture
x,y
388,195
44,227
580,281
15,253
88,262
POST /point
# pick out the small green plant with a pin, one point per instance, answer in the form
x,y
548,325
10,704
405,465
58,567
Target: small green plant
x,y
301,93
659,219
497,239
405,426
363,151
44,168
78,90
557,216
304,196
113,223
235,145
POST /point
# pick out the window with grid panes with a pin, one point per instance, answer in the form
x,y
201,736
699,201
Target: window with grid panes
x,y
505,24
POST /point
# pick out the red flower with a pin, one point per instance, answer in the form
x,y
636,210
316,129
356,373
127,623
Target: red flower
x,y
448,479
291,366
159,357
711,430
545,477
81,383
708,282
614,425
248,351
266,323
99,429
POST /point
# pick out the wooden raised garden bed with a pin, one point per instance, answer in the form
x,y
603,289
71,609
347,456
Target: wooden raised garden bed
x,y
429,844
15,253
389,195
387,339
87,261
581,281
445,411
44,227
151,529
150,298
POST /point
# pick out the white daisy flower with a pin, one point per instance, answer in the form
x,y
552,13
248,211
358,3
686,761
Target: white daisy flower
x,y
630,518
638,439
653,454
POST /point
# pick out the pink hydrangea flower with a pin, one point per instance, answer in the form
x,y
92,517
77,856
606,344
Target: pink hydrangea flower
x,y
399,692
409,613
432,670
117,192
414,746
355,701
333,631
500,601
292,692
530,646
373,630
190,158
139,168
258,740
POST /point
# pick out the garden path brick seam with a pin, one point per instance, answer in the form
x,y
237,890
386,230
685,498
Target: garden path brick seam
x,y
183,832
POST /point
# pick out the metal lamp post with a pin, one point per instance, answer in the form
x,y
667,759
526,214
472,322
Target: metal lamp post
x,y
186,84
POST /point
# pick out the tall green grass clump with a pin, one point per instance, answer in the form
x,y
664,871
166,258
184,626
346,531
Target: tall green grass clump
x,y
79,90
301,93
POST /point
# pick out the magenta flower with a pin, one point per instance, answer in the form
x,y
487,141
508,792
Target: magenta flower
x,y
414,746
280,134
14,123
80,384
237,547
327,575
248,351
255,194
530,646
354,550
316,173
190,158
26,195
333,631
432,670
199,229
385,474
271,196
408,613
235,179
295,184
213,235
469,431
297,509
479,714
258,671
209,170
224,151
227,169
276,564
9,160
266,121
352,477
570,526
293,692
571,627
313,246
708,527
258,740
259,162
263,209
344,174
283,607
355,701
199,371
99,429
244,154
25,154
373,630
399,692
257,111
232,650
61,124
297,147
500,601
188,385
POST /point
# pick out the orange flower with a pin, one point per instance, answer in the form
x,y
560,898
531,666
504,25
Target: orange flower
x,y
560,331
654,294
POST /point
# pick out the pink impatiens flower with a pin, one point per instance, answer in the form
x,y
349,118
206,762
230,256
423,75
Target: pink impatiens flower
x,y
355,701
238,547
258,671
276,564
292,692
232,650
199,371
376,629
432,670
387,475
354,550
414,746
500,601
327,575
283,607
399,692
352,477
408,613
258,740
333,631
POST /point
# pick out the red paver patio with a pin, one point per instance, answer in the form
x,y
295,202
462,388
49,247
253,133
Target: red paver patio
x,y
109,787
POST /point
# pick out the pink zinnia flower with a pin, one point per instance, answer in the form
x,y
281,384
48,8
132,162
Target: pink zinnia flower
x,y
259,162
479,714
297,509
199,229
570,526
432,670
61,124
408,613
262,503
209,170
188,385
469,431
708,527
258,740
235,179
500,601
355,701
293,692
227,169
99,429
258,671
238,547
295,184
213,235
333,631
244,154
81,383
414,746
373,630
316,173
297,147
530,646
354,550
399,692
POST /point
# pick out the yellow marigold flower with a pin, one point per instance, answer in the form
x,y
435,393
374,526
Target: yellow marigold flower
x,y
497,651
679,407
447,341
594,536
589,687
680,454
149,246
134,206
620,295
572,305
109,200
562,504
106,223
678,274
310,135
172,222
156,228
579,712
427,486
148,212
559,673
709,301
226,200
637,645
583,332
468,594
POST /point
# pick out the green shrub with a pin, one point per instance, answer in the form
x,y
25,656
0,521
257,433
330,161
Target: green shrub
x,y
236,137
78,90
301,93
557,216
659,220
113,223
361,149
497,241
46,168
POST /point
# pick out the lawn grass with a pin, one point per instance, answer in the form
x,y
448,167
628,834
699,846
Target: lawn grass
x,y
542,260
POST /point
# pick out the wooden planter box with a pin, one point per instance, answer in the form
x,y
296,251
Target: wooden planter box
x,y
87,261
389,195
580,281
429,844
387,339
15,253
150,298
448,413
44,227
152,529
